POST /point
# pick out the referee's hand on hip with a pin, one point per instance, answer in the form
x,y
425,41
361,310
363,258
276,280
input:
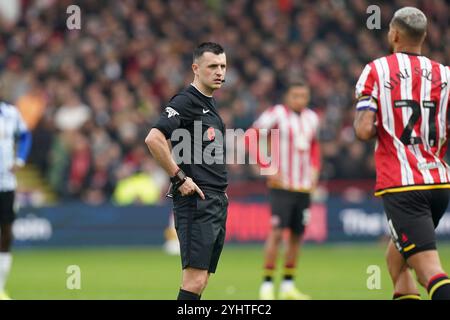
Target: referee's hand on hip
x,y
189,187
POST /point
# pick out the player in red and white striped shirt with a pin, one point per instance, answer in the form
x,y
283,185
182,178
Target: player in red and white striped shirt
x,y
297,161
403,101
296,152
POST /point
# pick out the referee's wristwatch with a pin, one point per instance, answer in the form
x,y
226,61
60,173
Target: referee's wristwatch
x,y
178,179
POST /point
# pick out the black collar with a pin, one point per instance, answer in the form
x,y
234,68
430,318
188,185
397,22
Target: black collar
x,y
410,53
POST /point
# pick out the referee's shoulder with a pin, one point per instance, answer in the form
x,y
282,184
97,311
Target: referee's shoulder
x,y
180,101
180,95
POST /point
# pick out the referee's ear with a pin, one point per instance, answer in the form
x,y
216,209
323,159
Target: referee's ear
x,y
195,68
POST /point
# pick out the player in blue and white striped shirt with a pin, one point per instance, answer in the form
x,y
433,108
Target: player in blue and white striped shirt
x,y
15,143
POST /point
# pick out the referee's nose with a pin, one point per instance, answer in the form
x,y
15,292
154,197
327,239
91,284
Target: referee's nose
x,y
220,71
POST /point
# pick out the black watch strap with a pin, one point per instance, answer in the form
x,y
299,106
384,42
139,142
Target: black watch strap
x,y
178,179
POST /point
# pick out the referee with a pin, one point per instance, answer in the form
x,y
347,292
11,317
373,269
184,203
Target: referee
x,y
198,187
12,128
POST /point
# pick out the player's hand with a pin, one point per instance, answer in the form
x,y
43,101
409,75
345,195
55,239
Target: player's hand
x,y
189,188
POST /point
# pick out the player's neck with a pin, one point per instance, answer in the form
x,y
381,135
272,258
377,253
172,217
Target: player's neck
x,y
296,110
409,49
202,89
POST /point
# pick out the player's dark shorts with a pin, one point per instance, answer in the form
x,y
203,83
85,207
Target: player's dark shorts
x,y
7,213
290,209
413,216
200,226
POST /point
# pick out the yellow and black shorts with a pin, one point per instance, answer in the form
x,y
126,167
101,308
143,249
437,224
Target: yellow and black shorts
x,y
413,217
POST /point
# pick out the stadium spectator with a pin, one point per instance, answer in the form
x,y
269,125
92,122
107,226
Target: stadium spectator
x,y
128,59
135,188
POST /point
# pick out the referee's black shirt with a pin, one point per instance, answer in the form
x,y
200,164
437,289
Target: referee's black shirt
x,y
193,111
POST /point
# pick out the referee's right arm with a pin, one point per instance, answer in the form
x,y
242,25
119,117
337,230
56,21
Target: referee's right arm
x,y
159,148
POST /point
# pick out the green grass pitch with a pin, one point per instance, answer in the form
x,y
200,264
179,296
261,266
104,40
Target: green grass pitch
x,y
325,272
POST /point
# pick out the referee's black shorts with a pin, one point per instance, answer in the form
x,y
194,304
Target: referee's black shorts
x,y
413,216
290,210
200,226
7,213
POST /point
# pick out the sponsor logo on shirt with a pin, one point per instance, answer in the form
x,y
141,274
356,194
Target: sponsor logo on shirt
x,y
171,112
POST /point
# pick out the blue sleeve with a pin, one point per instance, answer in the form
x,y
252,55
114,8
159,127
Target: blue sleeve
x,y
24,145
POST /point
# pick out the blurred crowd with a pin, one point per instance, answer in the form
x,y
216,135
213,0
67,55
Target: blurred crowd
x,y
91,95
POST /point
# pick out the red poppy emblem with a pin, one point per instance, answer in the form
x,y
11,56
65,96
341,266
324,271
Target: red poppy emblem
x,y
211,133
404,237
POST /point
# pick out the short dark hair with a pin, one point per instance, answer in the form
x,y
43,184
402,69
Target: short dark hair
x,y
296,83
207,47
